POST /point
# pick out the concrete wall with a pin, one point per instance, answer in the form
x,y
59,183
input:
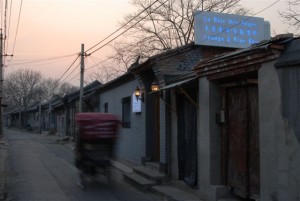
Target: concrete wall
x,y
174,140
163,137
209,141
131,144
279,107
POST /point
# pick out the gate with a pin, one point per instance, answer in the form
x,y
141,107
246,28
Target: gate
x,y
243,141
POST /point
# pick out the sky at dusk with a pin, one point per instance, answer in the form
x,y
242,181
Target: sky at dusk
x,y
57,28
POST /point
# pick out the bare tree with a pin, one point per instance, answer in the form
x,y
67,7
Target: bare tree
x,y
105,73
65,88
165,25
25,87
291,14
54,87
22,88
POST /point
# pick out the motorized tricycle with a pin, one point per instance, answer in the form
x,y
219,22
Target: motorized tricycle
x,y
96,138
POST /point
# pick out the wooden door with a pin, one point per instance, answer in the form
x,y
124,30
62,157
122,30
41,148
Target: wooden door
x,y
243,141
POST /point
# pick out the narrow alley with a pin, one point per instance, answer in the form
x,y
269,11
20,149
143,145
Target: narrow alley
x,y
38,167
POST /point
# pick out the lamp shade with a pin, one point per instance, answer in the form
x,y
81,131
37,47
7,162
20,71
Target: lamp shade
x,y
137,92
154,86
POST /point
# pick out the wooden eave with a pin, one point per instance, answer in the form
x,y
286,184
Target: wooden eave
x,y
239,62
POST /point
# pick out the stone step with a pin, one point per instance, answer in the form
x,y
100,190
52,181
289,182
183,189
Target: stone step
x,y
152,165
170,193
138,181
150,174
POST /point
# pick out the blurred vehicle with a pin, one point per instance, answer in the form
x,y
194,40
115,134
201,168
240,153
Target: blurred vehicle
x,y
96,138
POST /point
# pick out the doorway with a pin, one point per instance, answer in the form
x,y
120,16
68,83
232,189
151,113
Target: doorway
x,y
187,137
242,143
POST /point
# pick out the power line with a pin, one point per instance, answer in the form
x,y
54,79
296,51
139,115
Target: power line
x,y
18,22
89,68
126,30
148,15
69,67
42,60
5,24
86,69
71,74
275,2
95,65
1,10
123,25
58,81
9,22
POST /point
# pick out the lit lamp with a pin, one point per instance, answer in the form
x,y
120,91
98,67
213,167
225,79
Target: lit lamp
x,y
138,94
154,86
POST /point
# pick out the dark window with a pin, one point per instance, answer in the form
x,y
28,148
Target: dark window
x,y
106,107
126,103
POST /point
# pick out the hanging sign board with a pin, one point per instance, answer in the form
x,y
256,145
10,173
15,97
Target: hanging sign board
x,y
229,30
136,104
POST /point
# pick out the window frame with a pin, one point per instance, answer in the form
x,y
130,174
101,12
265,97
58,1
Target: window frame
x,y
126,112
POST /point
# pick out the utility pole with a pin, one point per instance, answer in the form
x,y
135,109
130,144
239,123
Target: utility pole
x,y
40,115
1,81
81,78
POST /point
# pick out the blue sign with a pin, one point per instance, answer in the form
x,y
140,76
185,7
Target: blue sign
x,y
229,30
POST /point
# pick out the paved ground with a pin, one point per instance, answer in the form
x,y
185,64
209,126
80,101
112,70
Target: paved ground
x,y
3,156
38,167
62,148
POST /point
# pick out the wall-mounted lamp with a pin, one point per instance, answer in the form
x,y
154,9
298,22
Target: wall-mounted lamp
x,y
139,94
154,86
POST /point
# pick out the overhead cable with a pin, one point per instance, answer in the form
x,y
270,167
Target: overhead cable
x,y
73,72
9,22
14,44
42,60
95,65
1,12
69,67
123,25
126,30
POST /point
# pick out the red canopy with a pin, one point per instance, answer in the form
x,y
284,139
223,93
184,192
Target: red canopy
x,y
95,116
97,125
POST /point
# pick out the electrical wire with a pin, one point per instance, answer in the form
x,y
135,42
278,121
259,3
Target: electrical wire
x,y
86,69
69,68
95,65
1,11
73,76
123,25
18,22
148,15
125,30
9,22
61,81
42,60
5,23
